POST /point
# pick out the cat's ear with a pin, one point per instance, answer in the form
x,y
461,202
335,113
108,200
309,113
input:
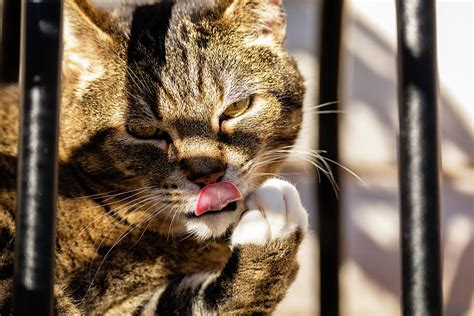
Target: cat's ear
x,y
86,34
260,17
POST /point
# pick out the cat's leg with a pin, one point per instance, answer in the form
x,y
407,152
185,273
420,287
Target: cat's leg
x,y
260,270
265,244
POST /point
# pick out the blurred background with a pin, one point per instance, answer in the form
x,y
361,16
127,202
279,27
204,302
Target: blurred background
x,y
370,272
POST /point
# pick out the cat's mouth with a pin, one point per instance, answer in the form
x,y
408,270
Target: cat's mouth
x,y
216,197
228,208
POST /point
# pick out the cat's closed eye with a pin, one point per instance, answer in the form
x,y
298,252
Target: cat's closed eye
x,y
237,109
146,132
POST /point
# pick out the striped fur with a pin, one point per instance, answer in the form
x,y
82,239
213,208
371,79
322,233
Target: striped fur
x,y
127,240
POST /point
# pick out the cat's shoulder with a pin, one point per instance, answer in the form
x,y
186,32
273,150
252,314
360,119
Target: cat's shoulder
x,y
9,95
9,118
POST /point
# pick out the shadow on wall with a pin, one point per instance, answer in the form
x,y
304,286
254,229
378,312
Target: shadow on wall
x,y
373,83
370,148
379,260
371,88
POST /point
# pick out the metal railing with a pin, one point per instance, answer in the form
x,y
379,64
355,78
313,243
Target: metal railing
x,y
419,152
419,158
328,202
418,162
37,172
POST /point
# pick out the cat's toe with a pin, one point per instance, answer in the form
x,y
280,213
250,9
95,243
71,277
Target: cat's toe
x,y
280,206
252,229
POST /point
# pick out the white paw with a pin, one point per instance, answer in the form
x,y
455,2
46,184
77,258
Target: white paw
x,y
274,211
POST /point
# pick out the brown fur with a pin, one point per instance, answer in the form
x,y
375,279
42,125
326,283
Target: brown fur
x,y
111,254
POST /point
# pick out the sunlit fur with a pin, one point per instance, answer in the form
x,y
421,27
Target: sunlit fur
x,y
175,66
180,79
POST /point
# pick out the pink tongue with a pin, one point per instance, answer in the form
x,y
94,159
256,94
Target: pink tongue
x,y
216,196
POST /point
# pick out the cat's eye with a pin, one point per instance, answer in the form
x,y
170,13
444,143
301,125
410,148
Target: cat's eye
x,y
146,132
236,109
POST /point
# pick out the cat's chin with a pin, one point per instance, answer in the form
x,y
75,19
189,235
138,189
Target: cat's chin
x,y
213,224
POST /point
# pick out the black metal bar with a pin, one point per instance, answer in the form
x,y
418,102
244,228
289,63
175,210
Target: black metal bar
x,y
419,158
38,158
10,40
329,213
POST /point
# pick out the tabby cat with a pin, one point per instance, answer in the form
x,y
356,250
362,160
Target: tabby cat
x,y
176,116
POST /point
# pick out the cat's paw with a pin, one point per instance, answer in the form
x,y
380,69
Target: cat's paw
x,y
274,212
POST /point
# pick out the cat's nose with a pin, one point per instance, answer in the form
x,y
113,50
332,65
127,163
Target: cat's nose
x,y
203,170
208,179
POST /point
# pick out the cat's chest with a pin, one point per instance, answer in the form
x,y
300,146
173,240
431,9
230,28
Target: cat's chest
x,y
89,237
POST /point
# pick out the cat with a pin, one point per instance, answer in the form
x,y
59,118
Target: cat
x,y
175,119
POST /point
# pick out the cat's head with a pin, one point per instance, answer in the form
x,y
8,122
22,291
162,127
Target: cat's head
x,y
159,99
